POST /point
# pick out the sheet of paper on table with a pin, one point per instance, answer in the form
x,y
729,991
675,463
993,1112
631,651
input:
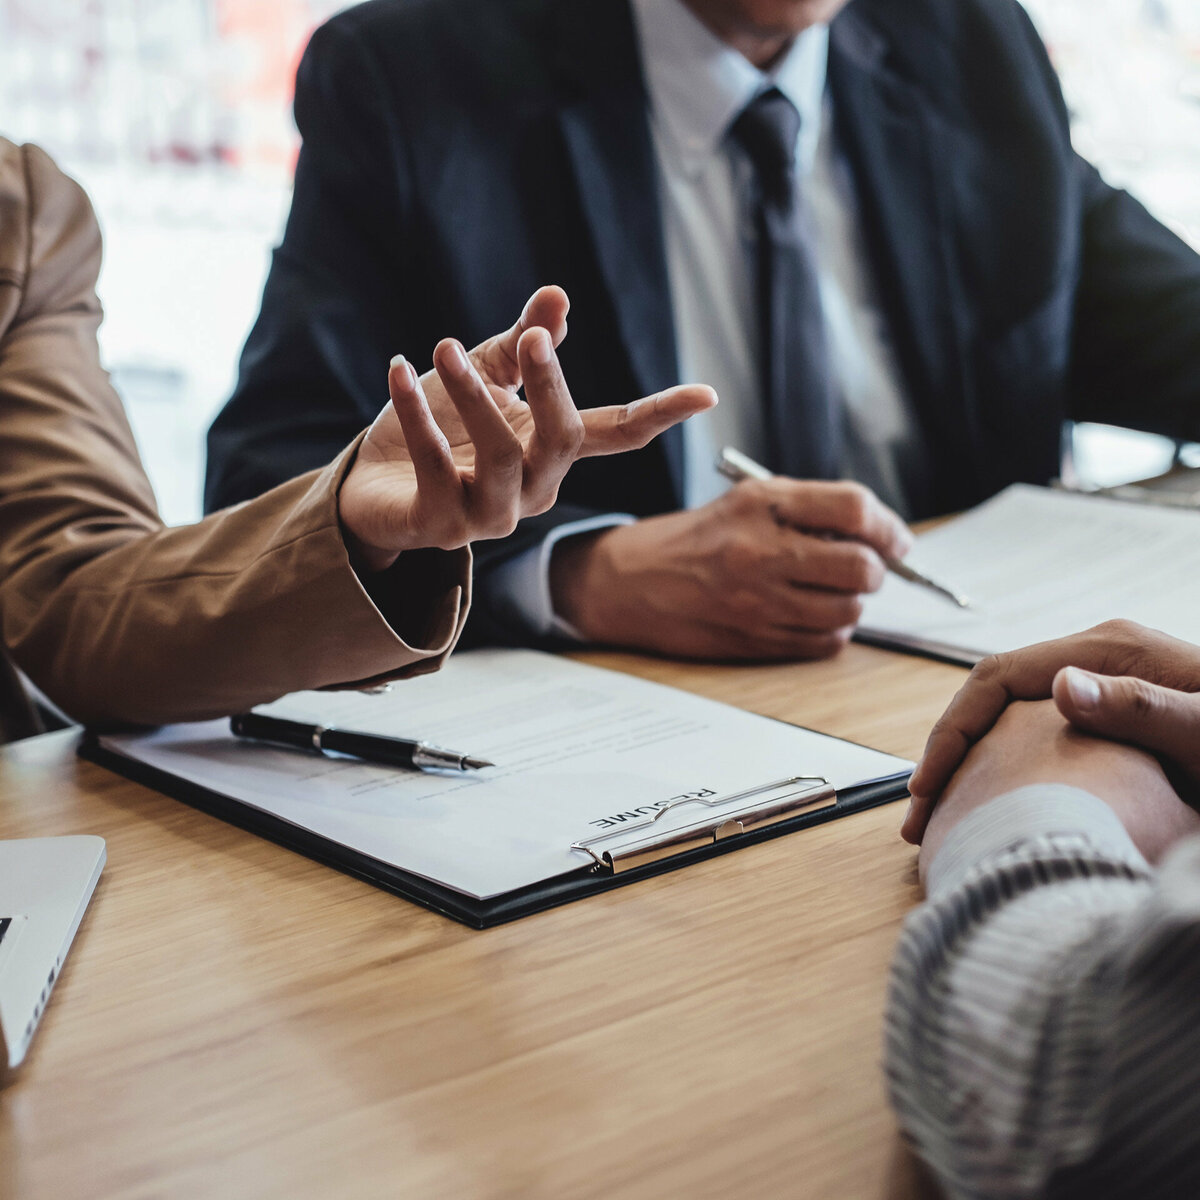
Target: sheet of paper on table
x,y
575,747
1038,564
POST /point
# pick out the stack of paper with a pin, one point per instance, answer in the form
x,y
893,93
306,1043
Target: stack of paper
x,y
1039,564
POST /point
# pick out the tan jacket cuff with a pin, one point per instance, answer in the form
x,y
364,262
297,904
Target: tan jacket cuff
x,y
403,621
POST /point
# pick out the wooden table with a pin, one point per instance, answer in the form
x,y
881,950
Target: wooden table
x,y
236,1021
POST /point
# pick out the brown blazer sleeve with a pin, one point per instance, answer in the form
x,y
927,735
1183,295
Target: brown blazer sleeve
x,y
118,618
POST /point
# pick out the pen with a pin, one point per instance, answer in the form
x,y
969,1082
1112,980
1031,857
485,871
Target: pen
x,y
735,465
370,747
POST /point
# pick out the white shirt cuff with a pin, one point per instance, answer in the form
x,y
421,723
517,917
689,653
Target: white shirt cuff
x,y
1038,810
520,588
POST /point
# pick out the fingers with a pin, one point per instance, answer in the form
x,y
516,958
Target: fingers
x,y
995,683
1162,720
1031,744
1116,647
512,480
558,430
973,711
437,476
992,685
546,309
780,619
920,809
497,359
846,509
493,495
1120,647
617,427
819,610
841,566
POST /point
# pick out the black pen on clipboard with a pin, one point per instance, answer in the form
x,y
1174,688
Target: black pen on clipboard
x,y
370,747
735,465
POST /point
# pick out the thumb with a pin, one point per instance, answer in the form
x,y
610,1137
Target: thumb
x,y
617,428
1127,709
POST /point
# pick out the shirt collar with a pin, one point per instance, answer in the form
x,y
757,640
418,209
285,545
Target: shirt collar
x,y
698,84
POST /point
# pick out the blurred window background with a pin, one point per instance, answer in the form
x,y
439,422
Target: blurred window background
x,y
175,115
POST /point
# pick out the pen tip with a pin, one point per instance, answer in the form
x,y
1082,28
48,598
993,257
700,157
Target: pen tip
x,y
476,764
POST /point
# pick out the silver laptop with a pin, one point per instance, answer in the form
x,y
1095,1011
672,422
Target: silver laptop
x,y
45,886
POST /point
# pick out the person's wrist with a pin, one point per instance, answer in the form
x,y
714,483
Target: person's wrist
x,y
577,590
365,558
368,500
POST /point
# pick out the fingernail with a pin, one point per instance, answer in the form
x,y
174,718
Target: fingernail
x,y
1084,690
401,364
539,347
457,359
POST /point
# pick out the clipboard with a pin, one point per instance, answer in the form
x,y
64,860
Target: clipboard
x,y
666,835
590,879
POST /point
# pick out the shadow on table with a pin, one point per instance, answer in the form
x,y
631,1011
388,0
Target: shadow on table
x,y
907,1177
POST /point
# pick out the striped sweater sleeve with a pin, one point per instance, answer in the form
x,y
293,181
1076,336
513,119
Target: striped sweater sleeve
x,y
1043,1016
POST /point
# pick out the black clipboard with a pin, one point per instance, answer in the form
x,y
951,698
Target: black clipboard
x,y
591,878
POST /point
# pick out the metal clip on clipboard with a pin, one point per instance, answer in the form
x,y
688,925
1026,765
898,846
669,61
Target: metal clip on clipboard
x,y
817,794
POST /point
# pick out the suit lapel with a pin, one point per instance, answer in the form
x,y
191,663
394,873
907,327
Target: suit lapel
x,y
888,133
603,122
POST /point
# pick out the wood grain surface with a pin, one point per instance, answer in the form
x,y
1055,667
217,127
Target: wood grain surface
x,y
236,1021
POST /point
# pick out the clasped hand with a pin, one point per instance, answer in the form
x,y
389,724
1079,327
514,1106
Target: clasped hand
x,y
1118,681
457,455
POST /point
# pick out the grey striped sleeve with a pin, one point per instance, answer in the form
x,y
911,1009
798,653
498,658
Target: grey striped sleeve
x,y
1043,1015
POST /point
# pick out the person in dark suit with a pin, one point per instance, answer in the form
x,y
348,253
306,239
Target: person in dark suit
x,y
863,223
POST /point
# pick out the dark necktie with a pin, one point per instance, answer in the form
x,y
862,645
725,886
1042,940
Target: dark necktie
x,y
802,422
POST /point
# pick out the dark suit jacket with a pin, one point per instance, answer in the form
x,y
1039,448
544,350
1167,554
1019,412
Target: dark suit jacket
x,y
458,153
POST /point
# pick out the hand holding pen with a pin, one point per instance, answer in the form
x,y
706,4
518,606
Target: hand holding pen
x,y
736,466
774,568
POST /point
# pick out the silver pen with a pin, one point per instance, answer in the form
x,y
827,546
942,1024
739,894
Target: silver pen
x,y
735,465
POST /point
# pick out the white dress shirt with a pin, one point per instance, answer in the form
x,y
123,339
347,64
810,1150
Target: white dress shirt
x,y
697,85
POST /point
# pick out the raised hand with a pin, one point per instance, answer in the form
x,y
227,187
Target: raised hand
x,y
458,455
